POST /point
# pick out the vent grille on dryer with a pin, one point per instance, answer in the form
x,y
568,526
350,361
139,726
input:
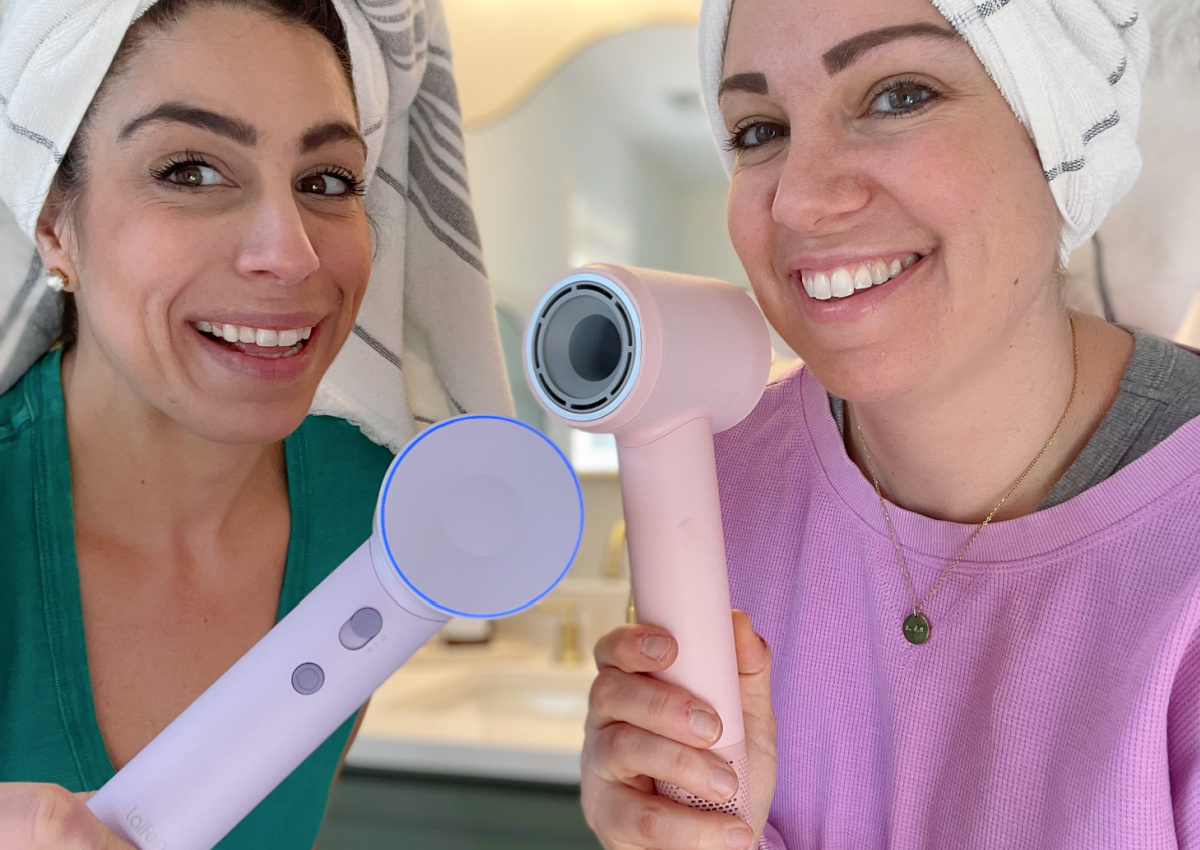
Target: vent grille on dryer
x,y
584,348
738,805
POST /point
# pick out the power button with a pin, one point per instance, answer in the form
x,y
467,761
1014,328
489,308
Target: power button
x,y
358,631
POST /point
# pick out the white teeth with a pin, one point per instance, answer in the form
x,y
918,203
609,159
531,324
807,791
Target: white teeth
x,y
820,285
845,281
262,337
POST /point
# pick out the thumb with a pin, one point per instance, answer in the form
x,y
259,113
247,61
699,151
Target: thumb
x,y
754,663
754,673
103,838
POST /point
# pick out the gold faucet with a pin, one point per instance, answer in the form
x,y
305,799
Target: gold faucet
x,y
567,652
616,550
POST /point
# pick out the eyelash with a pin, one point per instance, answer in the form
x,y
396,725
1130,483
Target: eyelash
x,y
897,85
354,186
175,163
736,142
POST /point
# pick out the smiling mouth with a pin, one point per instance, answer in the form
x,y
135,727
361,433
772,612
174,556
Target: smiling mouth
x,y
844,281
256,342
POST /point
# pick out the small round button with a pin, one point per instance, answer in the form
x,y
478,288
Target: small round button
x,y
308,678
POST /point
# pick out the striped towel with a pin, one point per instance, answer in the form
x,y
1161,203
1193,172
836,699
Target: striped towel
x,y
1072,72
426,345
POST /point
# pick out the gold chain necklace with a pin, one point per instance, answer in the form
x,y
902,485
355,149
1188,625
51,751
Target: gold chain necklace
x,y
917,627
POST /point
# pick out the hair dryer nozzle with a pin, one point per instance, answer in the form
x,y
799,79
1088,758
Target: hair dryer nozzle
x,y
619,350
584,347
480,519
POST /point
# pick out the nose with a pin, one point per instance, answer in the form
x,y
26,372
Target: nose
x,y
820,184
276,245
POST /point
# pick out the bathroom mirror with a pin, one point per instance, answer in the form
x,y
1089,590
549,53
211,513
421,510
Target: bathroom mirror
x,y
609,160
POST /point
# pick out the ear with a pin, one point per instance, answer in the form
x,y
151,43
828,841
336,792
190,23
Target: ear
x,y
53,237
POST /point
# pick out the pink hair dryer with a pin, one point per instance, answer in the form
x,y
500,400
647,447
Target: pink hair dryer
x,y
663,361
479,516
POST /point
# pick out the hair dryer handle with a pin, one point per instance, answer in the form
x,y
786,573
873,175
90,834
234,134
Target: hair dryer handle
x,y
229,749
678,570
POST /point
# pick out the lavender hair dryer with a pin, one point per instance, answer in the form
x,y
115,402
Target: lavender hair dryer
x,y
663,361
479,516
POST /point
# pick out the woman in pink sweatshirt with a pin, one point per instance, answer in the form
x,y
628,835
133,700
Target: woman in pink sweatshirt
x,y
969,528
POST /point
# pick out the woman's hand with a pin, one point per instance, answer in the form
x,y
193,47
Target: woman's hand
x,y
640,729
49,817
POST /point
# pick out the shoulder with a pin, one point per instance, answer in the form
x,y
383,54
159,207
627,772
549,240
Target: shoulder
x,y
777,434
335,443
19,404
334,474
343,468
1166,375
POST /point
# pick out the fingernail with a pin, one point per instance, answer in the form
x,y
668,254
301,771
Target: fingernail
x,y
655,646
705,724
739,838
725,782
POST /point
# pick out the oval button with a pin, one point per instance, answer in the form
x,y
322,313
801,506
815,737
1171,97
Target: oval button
x,y
358,631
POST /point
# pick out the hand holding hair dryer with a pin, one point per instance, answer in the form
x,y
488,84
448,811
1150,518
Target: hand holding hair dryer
x,y
479,516
663,361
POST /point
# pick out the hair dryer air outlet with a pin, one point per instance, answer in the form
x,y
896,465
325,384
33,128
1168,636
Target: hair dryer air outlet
x,y
662,361
479,516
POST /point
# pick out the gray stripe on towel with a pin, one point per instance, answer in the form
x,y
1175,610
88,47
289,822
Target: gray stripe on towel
x,y
443,237
383,351
1107,124
447,205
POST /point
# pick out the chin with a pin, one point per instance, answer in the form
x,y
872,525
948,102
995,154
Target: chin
x,y
252,424
866,374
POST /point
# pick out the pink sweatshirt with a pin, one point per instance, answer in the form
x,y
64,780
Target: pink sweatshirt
x,y
1057,701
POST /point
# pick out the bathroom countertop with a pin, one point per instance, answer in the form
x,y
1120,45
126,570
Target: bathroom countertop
x,y
502,711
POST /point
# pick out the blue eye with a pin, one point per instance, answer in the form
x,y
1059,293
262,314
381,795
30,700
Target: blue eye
x,y
756,135
903,98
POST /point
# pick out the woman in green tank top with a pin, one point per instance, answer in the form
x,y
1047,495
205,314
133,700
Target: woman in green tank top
x,y
165,496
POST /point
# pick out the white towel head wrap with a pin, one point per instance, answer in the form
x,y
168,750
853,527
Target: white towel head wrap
x,y
425,345
1070,69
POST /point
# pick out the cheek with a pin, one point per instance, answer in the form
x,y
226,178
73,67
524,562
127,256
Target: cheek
x,y
344,249
749,219
137,259
978,187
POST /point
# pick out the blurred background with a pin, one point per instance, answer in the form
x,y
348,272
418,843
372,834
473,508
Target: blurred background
x,y
587,141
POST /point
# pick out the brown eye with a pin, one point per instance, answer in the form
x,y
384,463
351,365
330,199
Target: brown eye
x,y
326,184
190,175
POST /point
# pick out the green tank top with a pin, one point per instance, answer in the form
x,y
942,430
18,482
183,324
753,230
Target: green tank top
x,y
48,728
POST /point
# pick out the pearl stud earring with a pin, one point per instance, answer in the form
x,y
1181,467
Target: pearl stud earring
x,y
57,279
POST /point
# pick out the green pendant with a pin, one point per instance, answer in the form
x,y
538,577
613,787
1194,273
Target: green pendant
x,y
916,628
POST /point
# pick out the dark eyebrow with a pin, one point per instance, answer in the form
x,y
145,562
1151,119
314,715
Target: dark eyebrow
x,y
845,54
222,125
753,83
334,131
